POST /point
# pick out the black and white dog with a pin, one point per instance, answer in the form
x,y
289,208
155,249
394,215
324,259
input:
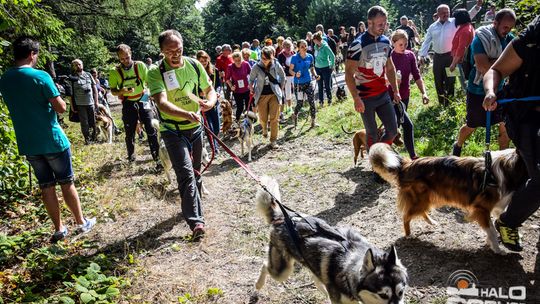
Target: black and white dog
x,y
245,132
343,264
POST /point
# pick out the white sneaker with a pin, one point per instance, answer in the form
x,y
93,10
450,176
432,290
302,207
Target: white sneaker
x,y
87,226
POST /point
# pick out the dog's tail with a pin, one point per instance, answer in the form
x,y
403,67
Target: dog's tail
x,y
345,131
385,161
266,204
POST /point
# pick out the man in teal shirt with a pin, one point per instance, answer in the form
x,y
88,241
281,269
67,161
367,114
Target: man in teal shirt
x,y
33,101
173,84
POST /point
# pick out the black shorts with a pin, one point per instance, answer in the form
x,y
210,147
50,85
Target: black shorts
x,y
476,115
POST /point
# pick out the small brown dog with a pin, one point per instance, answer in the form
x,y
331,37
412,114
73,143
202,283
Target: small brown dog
x,y
360,141
226,116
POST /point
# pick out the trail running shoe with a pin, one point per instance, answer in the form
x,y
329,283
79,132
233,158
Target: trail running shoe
x,y
509,236
198,232
87,226
456,150
59,235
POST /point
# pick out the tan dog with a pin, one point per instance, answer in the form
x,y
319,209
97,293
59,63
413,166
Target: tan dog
x,y
104,123
226,116
360,141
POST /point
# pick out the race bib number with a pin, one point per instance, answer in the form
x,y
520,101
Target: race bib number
x,y
170,80
378,61
241,84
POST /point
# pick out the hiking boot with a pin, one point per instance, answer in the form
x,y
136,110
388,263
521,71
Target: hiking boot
x,y
274,145
59,235
313,123
198,232
282,119
131,158
87,226
509,236
456,150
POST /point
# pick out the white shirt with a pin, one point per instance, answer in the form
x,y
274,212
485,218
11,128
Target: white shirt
x,y
442,34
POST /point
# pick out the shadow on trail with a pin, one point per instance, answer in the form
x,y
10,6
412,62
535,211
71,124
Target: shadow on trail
x,y
429,265
365,195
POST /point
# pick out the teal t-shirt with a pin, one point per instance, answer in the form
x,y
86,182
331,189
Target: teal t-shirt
x,y
185,82
26,92
478,48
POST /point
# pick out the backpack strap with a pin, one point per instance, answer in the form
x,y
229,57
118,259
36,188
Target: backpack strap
x,y
162,70
119,70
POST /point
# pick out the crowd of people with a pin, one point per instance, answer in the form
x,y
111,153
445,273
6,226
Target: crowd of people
x,y
379,66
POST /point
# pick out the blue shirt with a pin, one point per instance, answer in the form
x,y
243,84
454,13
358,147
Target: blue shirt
x,y
478,48
26,92
302,65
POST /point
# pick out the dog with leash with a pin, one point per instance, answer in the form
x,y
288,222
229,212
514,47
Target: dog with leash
x,y
104,123
432,182
343,264
360,141
226,116
246,131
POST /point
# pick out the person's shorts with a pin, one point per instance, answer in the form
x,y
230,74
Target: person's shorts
x,y
476,115
51,169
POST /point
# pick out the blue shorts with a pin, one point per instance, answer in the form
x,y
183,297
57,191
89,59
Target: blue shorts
x,y
51,169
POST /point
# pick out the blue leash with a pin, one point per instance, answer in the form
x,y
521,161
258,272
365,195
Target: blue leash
x,y
487,154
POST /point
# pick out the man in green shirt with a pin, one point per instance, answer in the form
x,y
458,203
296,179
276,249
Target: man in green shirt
x,y
173,83
127,82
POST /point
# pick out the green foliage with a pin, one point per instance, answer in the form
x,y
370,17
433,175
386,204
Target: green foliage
x,y
13,168
90,49
526,10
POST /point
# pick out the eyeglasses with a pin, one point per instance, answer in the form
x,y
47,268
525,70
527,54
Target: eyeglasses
x,y
173,53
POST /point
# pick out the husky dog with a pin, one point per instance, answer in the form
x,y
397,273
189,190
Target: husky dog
x,y
431,182
342,263
245,132
104,123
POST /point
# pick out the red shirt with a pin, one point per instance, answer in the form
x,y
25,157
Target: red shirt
x,y
222,62
462,39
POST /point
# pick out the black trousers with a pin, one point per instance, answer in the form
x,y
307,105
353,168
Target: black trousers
x,y
443,85
526,200
133,111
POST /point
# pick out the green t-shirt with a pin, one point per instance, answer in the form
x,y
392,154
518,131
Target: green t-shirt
x,y
130,79
186,78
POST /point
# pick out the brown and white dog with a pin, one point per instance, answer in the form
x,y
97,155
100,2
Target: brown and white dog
x,y
104,123
226,116
432,182
360,141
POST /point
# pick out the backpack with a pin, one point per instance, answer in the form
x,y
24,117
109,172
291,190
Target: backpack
x,y
468,62
197,90
137,77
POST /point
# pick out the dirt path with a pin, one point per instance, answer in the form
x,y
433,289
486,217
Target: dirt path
x,y
142,218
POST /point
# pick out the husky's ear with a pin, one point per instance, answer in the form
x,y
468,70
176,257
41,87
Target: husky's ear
x,y
392,256
369,264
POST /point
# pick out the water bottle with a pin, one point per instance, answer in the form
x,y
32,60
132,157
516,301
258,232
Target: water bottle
x,y
398,76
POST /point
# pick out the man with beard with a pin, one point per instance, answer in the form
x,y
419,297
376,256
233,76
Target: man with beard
x,y
84,98
174,84
127,81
